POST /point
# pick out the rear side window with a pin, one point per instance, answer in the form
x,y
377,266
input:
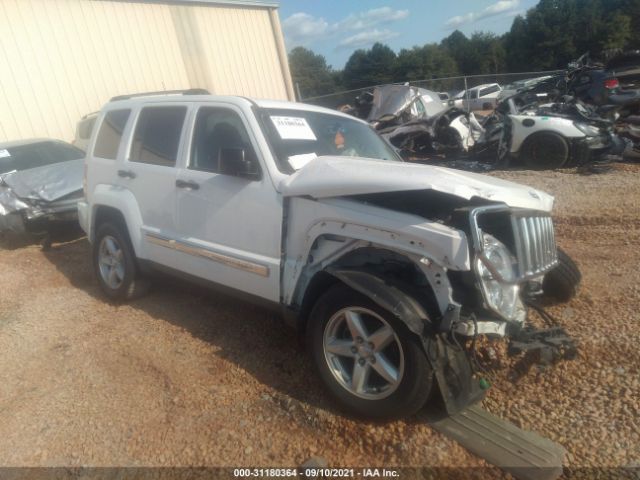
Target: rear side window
x,y
489,90
110,134
157,135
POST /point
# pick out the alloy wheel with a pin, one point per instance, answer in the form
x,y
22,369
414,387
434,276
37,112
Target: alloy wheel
x,y
363,353
111,262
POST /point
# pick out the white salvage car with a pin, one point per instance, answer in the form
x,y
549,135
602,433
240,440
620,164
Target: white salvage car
x,y
387,266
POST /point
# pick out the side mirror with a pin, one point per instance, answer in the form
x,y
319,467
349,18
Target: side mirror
x,y
233,161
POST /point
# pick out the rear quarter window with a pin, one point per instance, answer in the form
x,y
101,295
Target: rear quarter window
x,y
110,134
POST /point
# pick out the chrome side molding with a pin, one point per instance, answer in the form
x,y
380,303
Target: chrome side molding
x,y
227,260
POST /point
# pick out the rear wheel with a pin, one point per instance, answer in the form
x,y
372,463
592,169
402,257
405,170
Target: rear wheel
x,y
368,359
115,265
561,283
545,151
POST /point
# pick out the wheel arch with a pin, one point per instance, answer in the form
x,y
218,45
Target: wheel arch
x,y
364,271
569,133
105,213
119,206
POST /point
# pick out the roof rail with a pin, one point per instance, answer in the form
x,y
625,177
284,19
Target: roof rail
x,y
190,91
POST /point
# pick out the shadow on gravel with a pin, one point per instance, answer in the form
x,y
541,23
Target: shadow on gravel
x,y
254,338
57,233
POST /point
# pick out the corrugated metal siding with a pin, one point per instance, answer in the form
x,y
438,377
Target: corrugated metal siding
x,y
62,59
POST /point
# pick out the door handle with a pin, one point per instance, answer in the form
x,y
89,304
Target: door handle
x,y
187,184
126,174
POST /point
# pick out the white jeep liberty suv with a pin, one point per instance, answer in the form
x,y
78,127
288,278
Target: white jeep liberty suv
x,y
388,267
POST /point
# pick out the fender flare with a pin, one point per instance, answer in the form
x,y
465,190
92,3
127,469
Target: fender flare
x,y
388,296
125,202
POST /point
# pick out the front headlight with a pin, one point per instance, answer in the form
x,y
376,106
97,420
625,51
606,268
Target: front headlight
x,y
496,271
588,130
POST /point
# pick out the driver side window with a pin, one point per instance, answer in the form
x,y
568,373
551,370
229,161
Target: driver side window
x,y
217,129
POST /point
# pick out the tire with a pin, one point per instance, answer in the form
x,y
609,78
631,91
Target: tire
x,y
561,283
545,151
631,153
378,398
113,245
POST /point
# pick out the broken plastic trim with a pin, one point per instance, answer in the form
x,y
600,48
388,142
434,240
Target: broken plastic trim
x,y
551,344
458,385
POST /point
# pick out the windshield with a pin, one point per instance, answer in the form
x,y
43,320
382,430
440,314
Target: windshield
x,y
299,136
25,157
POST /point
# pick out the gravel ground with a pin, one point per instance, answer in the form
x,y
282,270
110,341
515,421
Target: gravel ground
x,y
184,376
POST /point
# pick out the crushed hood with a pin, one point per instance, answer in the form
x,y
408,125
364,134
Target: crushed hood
x,y
325,177
394,99
48,183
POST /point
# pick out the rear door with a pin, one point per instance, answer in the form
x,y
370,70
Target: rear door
x,y
230,227
149,173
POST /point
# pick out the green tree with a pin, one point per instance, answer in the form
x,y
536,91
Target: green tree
x,y
459,47
616,32
438,62
409,65
311,73
554,32
369,67
488,55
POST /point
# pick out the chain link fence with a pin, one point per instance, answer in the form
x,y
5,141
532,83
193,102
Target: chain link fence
x,y
449,85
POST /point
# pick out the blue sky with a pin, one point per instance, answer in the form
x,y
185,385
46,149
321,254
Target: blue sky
x,y
335,28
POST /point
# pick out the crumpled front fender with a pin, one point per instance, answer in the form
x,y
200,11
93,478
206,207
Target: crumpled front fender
x,y
449,362
386,295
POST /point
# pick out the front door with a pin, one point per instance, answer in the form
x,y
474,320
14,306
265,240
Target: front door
x,y
230,226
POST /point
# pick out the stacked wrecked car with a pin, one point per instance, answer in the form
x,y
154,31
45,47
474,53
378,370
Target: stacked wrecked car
x,y
582,118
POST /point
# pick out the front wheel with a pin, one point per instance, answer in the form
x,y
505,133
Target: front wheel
x,y
368,359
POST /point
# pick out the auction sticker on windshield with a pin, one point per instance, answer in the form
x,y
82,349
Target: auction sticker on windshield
x,y
293,128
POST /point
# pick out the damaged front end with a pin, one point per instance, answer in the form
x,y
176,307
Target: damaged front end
x,y
513,250
30,200
451,254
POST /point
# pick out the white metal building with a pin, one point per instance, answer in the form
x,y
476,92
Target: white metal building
x,y
62,59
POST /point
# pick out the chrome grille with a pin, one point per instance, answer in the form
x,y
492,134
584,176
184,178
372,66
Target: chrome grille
x,y
533,238
535,244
